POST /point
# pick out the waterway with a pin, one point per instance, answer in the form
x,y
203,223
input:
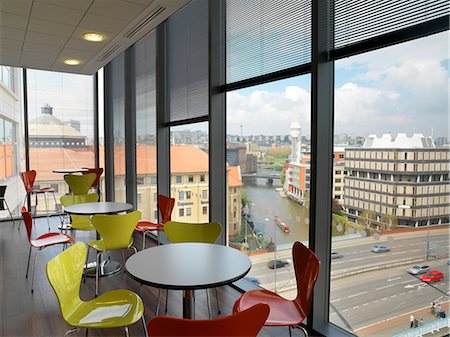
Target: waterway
x,y
266,202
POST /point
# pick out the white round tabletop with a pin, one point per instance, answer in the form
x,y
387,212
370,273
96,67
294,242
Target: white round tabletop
x,y
103,207
68,170
188,266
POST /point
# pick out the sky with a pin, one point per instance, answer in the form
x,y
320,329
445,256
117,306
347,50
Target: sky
x,y
398,89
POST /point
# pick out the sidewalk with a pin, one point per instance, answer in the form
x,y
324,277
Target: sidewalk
x,y
396,325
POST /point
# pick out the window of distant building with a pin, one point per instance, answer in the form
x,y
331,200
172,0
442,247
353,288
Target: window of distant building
x,y
181,195
205,210
178,179
139,198
181,212
204,194
188,211
140,180
202,177
188,194
191,179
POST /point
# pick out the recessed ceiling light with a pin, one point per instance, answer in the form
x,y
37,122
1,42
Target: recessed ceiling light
x,y
93,37
72,62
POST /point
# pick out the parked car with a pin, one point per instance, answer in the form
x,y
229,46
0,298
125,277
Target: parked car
x,y
419,269
272,264
336,255
432,276
380,248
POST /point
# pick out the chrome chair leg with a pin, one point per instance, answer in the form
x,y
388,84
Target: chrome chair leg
x,y
34,268
59,213
167,297
99,254
145,326
9,211
71,330
85,264
143,239
125,329
28,263
208,303
46,209
304,330
217,299
157,302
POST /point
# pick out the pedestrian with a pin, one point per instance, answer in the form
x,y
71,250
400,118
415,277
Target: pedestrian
x,y
421,322
433,308
416,323
438,311
411,321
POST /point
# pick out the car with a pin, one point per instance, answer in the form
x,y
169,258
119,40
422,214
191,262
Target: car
x,y
272,264
336,255
380,248
432,276
419,269
448,262
252,279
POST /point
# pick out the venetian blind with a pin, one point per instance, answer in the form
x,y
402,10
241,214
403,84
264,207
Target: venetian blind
x,y
187,48
359,20
265,36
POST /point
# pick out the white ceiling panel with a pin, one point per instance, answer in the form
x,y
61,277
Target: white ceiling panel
x,y
40,34
119,10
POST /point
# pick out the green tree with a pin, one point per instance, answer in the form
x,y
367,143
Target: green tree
x,y
367,218
282,177
390,221
244,197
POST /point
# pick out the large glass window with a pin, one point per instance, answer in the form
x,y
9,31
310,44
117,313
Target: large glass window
x,y
391,192
189,150
268,158
7,77
145,52
61,127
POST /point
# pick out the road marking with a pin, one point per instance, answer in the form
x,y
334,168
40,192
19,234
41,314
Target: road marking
x,y
336,300
384,298
365,304
393,296
388,286
393,279
358,259
415,250
375,301
401,294
411,291
356,307
345,310
338,262
398,253
354,295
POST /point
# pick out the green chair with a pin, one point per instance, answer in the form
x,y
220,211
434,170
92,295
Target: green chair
x,y
178,232
114,309
79,222
116,233
80,184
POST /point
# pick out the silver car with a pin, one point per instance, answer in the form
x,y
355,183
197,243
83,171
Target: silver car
x,y
419,269
380,248
336,255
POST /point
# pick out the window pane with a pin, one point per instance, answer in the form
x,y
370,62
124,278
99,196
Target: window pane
x,y
391,186
189,150
61,127
268,158
145,52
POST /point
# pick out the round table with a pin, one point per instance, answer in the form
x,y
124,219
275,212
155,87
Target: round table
x,y
70,171
188,266
107,267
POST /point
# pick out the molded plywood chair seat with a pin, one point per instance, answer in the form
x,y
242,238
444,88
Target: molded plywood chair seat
x,y
117,308
98,173
28,178
244,324
116,233
178,232
165,206
79,222
284,312
43,241
80,184
3,202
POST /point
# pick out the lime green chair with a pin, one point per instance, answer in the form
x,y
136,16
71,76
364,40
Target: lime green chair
x,y
80,184
116,233
114,309
79,222
178,232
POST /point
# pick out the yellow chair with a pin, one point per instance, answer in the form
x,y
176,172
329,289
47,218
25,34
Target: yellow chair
x,y
114,309
80,184
178,232
116,233
79,222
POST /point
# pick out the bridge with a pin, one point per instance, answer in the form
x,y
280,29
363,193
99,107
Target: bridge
x,y
261,175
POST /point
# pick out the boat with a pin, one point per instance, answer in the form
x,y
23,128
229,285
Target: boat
x,y
281,224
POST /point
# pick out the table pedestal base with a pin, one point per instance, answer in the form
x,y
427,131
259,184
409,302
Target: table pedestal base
x,y
188,304
107,268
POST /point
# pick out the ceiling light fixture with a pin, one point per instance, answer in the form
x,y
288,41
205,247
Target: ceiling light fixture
x,y
72,62
93,37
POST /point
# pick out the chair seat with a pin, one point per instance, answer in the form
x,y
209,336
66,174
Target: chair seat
x,y
283,312
50,239
100,245
145,225
117,308
81,223
44,190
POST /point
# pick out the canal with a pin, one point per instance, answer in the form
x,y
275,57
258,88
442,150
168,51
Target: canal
x,y
266,202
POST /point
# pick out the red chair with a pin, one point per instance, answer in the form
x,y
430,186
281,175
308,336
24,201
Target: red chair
x,y
98,172
165,206
28,178
284,312
247,323
43,241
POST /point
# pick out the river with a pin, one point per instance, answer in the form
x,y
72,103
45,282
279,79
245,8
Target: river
x,y
266,202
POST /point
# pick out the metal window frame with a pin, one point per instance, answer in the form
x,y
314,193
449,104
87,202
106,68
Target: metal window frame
x,y
108,134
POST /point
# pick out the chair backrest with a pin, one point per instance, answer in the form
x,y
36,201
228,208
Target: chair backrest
x,y
165,205
28,220
28,178
116,230
192,232
64,274
98,173
69,199
80,184
247,323
306,267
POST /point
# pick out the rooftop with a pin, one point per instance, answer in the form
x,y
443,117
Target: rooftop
x,y
399,141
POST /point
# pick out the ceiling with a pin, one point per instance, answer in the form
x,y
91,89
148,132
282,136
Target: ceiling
x,y
41,34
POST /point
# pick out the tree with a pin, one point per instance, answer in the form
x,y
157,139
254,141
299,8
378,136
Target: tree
x,y
367,218
390,221
282,177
